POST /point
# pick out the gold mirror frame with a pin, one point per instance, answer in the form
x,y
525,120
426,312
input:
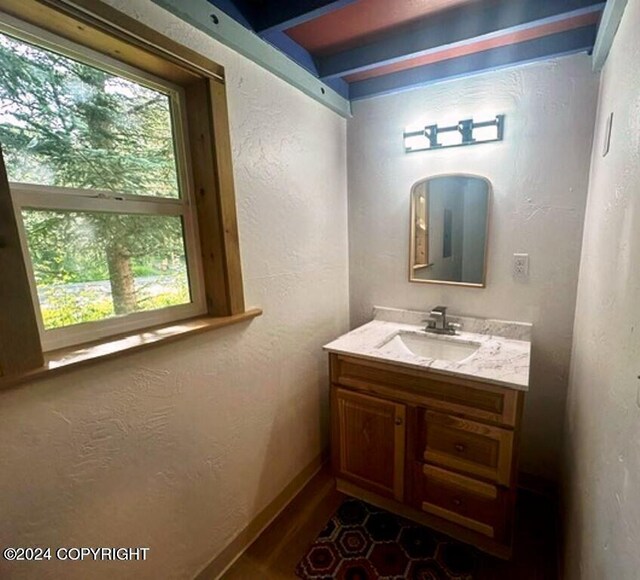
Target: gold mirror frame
x,y
413,229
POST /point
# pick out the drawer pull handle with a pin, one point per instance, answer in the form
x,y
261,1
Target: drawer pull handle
x,y
457,502
459,447
398,421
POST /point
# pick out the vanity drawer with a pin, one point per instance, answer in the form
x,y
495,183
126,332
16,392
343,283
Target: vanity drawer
x,y
425,388
473,504
472,448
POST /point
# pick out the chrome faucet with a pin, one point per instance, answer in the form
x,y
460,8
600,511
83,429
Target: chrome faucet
x,y
437,323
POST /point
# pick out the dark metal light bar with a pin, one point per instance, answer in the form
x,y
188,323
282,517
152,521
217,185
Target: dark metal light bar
x,y
467,131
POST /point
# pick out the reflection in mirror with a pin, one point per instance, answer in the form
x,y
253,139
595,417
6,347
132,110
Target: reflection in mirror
x,y
449,230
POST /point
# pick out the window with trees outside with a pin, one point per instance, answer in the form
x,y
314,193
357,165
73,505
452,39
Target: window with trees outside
x,y
118,226
96,158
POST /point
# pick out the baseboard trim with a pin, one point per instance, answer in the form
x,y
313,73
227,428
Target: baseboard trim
x,y
225,559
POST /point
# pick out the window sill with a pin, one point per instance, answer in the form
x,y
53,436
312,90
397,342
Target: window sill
x,y
66,359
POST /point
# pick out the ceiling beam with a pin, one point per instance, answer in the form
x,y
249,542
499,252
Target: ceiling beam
x,y
291,48
234,9
451,28
606,33
279,16
563,43
239,10
295,52
220,26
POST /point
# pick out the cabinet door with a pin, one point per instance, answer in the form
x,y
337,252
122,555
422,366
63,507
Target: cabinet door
x,y
369,442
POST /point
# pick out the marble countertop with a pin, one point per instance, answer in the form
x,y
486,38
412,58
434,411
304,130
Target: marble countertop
x,y
503,356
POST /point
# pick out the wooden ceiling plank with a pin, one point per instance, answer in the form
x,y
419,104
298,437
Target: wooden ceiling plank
x,y
468,23
279,16
505,38
560,44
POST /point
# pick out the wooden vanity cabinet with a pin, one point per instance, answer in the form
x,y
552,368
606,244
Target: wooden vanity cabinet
x,y
437,449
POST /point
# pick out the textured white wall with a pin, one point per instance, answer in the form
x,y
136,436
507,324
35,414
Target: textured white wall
x,y
602,458
180,447
539,175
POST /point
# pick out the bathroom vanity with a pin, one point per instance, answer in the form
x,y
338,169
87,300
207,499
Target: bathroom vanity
x,y
428,426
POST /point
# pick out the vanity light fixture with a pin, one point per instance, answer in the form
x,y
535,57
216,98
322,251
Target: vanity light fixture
x,y
465,132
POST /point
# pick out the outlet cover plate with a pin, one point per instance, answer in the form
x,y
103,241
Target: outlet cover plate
x,y
520,266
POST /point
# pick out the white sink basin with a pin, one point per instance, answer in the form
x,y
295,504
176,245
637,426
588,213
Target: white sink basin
x,y
430,346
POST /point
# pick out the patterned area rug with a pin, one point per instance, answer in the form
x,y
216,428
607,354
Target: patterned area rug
x,y
362,542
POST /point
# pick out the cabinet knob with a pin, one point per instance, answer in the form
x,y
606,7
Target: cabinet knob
x,y
398,421
459,447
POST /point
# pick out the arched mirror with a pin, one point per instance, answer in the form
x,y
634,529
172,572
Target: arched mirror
x,y
449,230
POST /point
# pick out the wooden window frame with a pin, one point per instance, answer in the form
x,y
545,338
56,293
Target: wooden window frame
x,y
100,28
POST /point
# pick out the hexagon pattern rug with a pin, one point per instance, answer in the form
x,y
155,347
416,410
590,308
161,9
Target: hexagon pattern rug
x,y
362,542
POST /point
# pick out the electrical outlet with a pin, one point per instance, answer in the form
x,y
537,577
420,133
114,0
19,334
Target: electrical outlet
x,y
521,266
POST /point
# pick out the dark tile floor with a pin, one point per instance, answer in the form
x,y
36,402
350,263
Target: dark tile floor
x,y
365,542
277,551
